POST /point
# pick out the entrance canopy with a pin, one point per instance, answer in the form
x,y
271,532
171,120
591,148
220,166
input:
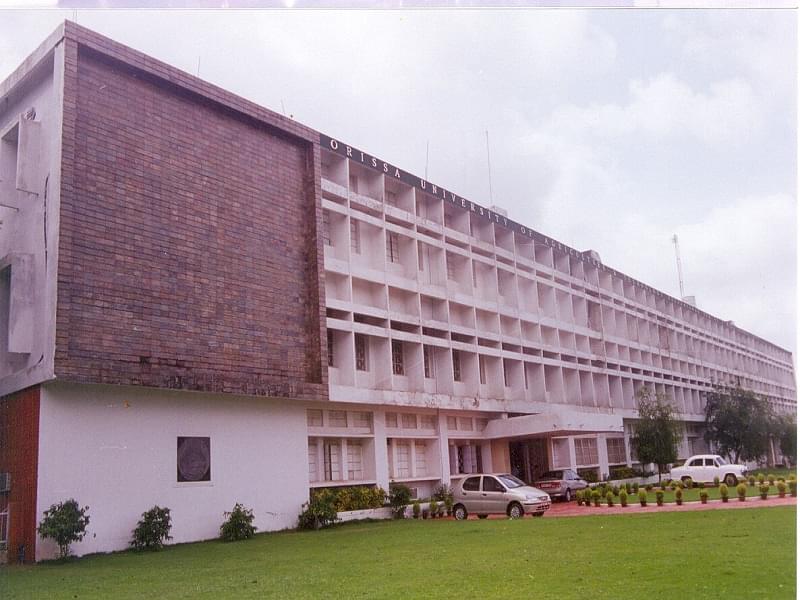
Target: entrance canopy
x,y
564,422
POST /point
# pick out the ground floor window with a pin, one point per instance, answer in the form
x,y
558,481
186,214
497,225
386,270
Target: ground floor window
x,y
586,451
616,450
354,460
4,523
420,458
466,458
312,460
331,459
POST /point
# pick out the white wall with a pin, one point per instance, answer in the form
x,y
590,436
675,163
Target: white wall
x,y
114,449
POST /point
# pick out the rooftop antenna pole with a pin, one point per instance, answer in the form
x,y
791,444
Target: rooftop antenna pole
x,y
678,260
489,163
198,65
427,149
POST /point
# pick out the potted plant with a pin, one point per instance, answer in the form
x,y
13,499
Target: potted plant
x,y
679,496
793,487
416,509
741,491
623,498
760,478
596,497
751,480
579,497
703,496
610,498
782,489
425,513
643,497
716,481
771,479
660,497
764,490
448,505
723,492
434,508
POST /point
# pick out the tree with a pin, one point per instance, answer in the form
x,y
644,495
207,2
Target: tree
x,y
655,434
786,434
739,422
65,523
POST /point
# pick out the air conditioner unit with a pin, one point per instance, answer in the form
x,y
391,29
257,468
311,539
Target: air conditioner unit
x,y
5,482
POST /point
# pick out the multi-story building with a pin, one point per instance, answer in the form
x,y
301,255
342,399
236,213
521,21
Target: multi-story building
x,y
203,302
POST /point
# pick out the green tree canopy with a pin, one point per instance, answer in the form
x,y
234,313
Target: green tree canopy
x,y
655,434
739,422
786,429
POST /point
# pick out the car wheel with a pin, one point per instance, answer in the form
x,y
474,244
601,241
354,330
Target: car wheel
x,y
568,495
731,480
459,512
515,511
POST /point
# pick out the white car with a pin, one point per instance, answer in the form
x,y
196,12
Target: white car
x,y
703,468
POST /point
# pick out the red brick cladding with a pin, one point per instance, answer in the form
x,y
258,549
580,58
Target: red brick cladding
x,y
19,452
188,254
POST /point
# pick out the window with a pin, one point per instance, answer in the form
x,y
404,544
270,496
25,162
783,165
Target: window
x,y
427,421
194,459
391,198
616,450
391,420
452,424
586,451
490,484
330,348
710,462
420,256
420,458
397,358
465,423
362,352
471,484
331,452
697,462
505,374
427,361
482,369
403,453
353,183
456,366
4,526
312,460
362,419
314,418
354,460
337,418
450,263
392,247
409,421
326,228
355,237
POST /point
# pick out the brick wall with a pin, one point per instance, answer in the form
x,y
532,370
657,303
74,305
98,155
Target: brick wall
x,y
19,451
188,255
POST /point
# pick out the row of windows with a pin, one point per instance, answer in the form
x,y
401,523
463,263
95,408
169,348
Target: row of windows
x,y
329,455
338,418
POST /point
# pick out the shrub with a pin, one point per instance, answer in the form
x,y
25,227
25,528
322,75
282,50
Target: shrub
x,y
764,489
680,485
760,478
782,489
152,530
441,493
319,512
643,497
741,491
636,487
792,477
238,524
660,497
399,497
623,498
621,473
793,487
448,505
596,497
588,475
716,481
751,480
723,492
357,497
615,490
628,487
771,479
425,513
416,509
65,523
679,496
649,487
579,497
703,496
610,498
434,508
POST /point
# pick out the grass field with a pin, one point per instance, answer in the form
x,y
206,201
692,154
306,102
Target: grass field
x,y
723,553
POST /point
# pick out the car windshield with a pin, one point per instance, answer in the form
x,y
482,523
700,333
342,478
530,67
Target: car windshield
x,y
553,475
510,481
721,461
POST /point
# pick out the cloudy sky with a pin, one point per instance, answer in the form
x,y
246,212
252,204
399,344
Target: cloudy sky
x,y
609,129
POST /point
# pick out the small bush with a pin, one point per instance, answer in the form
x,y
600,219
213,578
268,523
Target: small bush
x,y
680,485
679,496
448,505
416,509
628,487
751,480
238,524
771,479
399,498
65,523
793,487
441,493
660,497
782,489
579,497
723,492
319,512
764,489
434,508
425,513
741,491
621,473
615,490
636,487
649,487
152,530
716,481
623,498
703,496
610,498
760,478
643,497
596,497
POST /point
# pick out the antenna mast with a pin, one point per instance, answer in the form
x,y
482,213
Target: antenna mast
x,y
489,163
678,260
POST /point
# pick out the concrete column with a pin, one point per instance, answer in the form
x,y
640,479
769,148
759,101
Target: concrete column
x,y
602,454
444,451
381,455
343,462
573,463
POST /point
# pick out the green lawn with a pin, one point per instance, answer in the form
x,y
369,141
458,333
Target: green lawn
x,y
726,553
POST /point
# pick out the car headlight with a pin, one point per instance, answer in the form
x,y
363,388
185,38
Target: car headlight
x,y
544,498
530,497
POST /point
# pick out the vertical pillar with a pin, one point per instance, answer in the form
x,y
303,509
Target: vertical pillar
x,y
381,455
444,450
602,454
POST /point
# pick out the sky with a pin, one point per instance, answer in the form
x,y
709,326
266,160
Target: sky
x,y
608,129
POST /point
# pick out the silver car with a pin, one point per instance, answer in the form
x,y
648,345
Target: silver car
x,y
485,494
562,482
